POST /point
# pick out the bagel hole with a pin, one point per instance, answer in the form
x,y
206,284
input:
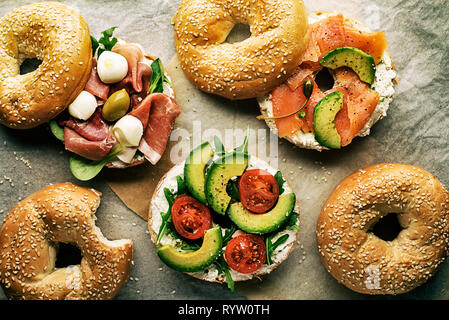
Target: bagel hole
x,y
239,32
68,255
29,65
324,80
388,227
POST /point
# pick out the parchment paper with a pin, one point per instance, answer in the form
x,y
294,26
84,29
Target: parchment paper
x,y
415,132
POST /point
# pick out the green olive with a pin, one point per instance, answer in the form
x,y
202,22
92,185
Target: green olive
x,y
116,106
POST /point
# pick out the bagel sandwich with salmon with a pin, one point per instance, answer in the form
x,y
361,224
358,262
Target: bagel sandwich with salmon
x,y
223,216
363,86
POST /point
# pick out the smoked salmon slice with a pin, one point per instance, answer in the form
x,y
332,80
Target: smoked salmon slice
x,y
359,99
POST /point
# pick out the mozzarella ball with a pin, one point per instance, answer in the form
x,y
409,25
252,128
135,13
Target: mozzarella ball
x,y
83,106
127,154
128,130
112,67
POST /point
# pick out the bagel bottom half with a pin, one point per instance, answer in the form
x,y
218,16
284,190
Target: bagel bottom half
x,y
384,84
364,262
159,204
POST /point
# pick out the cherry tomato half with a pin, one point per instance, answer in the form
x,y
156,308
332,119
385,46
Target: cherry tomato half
x,y
246,253
190,217
258,190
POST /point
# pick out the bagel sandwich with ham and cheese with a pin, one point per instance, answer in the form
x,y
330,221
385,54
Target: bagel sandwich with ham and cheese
x,y
125,113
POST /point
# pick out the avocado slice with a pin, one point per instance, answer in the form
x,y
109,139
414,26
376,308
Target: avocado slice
x,y
195,260
324,120
217,178
195,170
264,222
362,63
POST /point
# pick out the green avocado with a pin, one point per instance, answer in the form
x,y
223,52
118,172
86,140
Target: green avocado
x,y
362,63
218,176
194,261
324,120
262,223
194,170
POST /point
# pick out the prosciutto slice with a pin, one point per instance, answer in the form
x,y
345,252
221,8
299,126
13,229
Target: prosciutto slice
x,y
90,139
93,150
137,70
95,86
157,112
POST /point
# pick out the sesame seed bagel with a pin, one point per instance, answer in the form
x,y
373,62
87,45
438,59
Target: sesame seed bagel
x,y
28,248
362,261
60,38
249,68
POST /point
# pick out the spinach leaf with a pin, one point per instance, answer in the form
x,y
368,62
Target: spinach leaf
x,y
280,180
84,169
271,247
57,130
95,45
105,43
158,78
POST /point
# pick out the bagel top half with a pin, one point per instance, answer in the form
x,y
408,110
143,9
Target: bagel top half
x,y
246,69
384,83
59,37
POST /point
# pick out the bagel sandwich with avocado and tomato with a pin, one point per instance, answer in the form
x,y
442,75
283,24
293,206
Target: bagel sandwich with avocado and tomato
x,y
223,216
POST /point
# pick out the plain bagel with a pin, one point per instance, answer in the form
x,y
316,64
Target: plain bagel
x,y
365,263
30,233
249,68
60,38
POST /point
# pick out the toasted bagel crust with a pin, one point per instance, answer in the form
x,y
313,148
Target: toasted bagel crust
x,y
247,69
60,38
28,237
359,259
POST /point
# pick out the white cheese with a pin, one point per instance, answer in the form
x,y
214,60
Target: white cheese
x,y
83,106
112,67
128,130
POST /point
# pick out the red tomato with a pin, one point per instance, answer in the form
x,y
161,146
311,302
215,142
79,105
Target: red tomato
x,y
190,217
246,253
258,190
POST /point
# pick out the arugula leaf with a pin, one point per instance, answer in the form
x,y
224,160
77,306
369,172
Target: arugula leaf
x,y
84,169
228,234
170,195
271,247
105,43
232,190
219,147
280,180
57,130
292,220
244,147
158,78
222,266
